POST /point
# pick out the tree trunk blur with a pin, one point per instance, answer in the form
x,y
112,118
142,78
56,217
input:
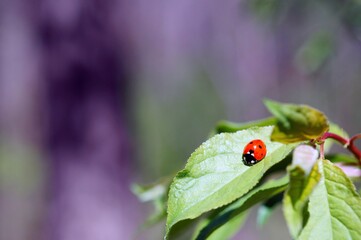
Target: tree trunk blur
x,y
62,88
86,133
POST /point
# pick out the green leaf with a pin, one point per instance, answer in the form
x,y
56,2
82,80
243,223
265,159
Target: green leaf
x,y
334,207
226,126
296,123
315,52
184,229
342,158
259,194
296,196
334,128
215,174
281,166
146,193
155,193
226,231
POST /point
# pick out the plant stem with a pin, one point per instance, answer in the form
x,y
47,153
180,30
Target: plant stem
x,y
336,137
347,143
322,151
357,136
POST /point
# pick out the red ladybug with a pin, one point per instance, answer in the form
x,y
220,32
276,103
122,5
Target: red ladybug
x,y
254,152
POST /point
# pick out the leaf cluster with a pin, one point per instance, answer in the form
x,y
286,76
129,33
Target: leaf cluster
x,y
215,190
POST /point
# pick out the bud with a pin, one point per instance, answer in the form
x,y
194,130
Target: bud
x,y
305,157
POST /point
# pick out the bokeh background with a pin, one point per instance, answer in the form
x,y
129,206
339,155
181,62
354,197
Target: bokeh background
x,y
96,95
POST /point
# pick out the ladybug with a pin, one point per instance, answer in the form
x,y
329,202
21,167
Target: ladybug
x,y
254,152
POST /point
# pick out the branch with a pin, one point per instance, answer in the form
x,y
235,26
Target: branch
x,y
347,143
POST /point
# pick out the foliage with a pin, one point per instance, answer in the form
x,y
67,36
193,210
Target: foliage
x,y
217,189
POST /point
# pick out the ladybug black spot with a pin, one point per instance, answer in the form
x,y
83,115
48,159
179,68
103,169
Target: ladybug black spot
x,y
249,159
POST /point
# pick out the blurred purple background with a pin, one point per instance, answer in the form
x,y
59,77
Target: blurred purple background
x,y
96,95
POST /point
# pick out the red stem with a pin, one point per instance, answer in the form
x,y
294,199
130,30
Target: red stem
x,y
357,136
336,137
347,143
